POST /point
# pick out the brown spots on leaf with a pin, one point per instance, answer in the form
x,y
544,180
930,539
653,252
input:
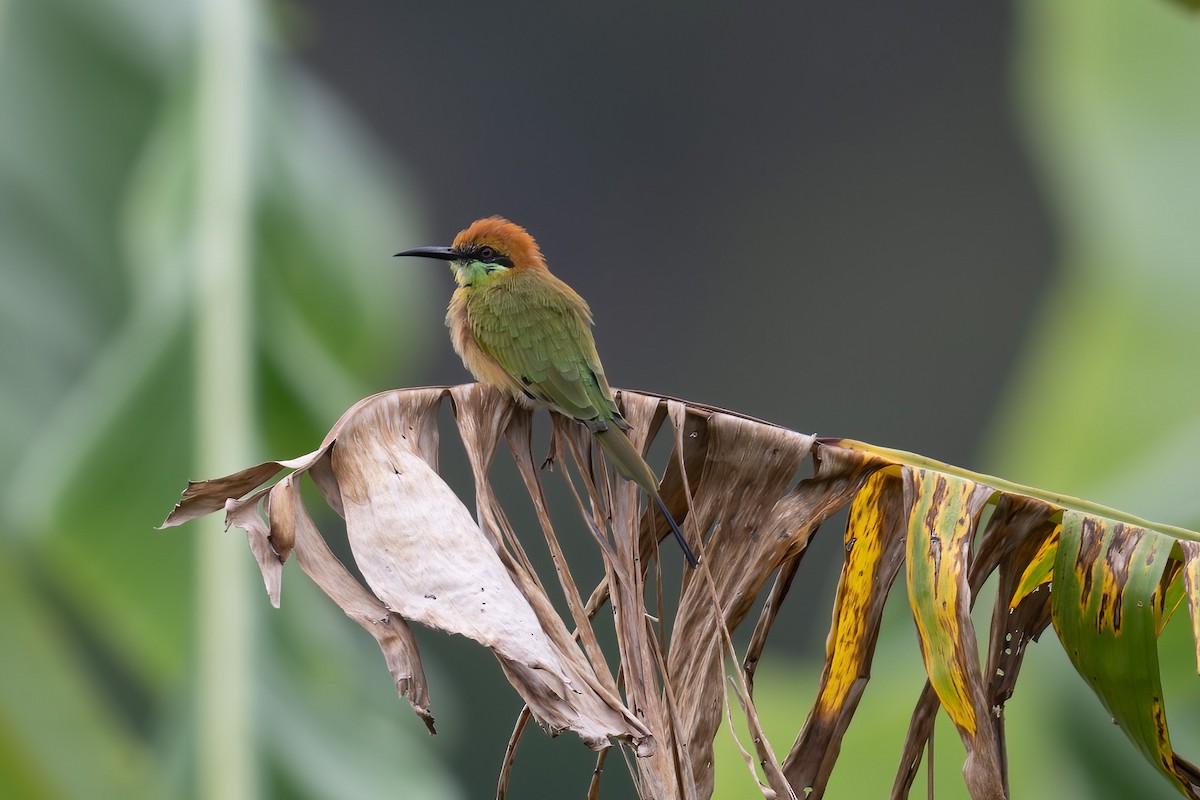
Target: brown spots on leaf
x,y
1121,546
1090,544
937,499
1160,733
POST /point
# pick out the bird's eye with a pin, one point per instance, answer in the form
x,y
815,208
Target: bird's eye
x,y
486,254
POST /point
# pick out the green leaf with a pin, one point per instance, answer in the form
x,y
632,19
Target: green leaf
x,y
1106,608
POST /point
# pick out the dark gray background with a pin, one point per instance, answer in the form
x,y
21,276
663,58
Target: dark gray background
x,y
817,214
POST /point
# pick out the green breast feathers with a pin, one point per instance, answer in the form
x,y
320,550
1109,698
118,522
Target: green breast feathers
x,y
540,333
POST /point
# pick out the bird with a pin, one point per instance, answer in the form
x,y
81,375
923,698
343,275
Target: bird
x,y
522,330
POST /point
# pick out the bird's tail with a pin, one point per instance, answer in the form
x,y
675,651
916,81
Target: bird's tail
x,y
633,467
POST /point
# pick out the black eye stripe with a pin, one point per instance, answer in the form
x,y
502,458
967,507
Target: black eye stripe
x,y
490,255
487,254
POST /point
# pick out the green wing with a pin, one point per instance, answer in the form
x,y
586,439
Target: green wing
x,y
539,331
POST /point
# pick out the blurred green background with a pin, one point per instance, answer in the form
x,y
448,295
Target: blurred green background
x,y
968,231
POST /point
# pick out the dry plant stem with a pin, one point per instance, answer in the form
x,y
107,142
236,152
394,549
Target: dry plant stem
x,y
747,759
593,792
920,732
766,754
639,786
683,776
929,776
519,438
766,618
510,753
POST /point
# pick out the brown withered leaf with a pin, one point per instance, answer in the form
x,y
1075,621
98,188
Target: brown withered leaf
x,y
735,484
424,559
874,545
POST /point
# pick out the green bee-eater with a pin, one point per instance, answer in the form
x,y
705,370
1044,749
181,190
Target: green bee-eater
x,y
524,331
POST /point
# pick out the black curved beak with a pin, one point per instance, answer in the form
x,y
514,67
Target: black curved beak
x,y
443,253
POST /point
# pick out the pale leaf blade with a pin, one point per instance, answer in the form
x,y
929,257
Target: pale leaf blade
x,y
424,556
942,513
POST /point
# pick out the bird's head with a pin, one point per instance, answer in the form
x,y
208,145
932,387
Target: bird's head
x,y
486,250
